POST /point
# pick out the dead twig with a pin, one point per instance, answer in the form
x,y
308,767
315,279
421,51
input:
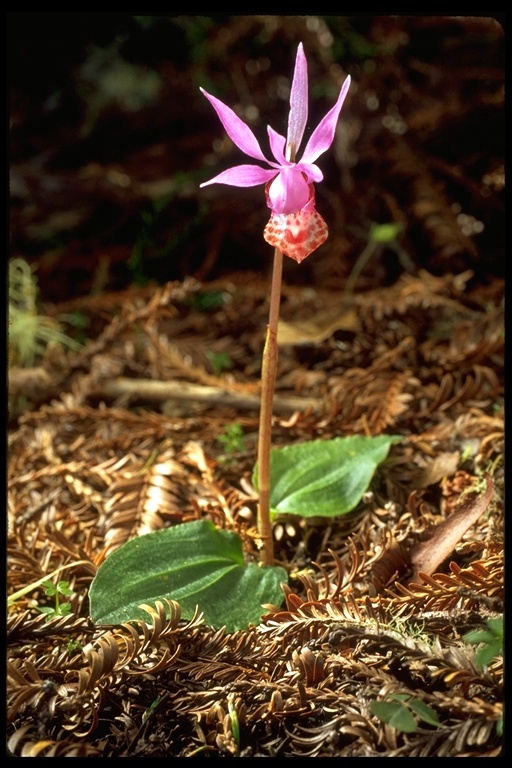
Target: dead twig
x,y
160,391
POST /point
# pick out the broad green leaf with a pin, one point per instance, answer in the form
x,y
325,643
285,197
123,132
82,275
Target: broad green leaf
x,y
395,714
193,563
324,477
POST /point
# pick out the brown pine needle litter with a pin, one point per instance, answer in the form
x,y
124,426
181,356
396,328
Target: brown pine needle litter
x,y
90,469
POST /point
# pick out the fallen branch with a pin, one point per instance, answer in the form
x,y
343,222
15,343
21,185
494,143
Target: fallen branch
x,y
160,391
37,384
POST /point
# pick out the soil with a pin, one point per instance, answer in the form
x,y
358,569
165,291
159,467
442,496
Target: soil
x,y
138,308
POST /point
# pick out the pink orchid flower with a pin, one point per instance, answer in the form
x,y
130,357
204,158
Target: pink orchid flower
x,y
295,226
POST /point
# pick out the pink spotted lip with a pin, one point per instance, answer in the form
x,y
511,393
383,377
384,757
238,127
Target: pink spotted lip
x,y
297,234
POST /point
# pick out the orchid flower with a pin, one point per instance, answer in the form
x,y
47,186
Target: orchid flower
x,y
295,226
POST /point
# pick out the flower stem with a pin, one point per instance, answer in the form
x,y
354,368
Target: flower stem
x,y
268,381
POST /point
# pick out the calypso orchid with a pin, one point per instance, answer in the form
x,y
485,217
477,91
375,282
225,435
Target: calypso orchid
x,y
295,227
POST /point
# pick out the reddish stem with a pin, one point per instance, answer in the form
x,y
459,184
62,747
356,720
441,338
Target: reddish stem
x,y
268,381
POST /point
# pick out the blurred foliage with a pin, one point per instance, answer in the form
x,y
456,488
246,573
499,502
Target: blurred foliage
x,y
110,139
30,332
232,438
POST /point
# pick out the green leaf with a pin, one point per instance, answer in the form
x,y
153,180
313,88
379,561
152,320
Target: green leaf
x,y
63,588
479,636
426,713
324,477
491,638
384,234
496,627
50,589
486,654
395,714
399,696
193,563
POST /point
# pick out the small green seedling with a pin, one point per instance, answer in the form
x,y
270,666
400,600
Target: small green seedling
x,y
403,712
208,301
235,722
233,439
29,332
220,362
152,707
60,609
491,640
73,645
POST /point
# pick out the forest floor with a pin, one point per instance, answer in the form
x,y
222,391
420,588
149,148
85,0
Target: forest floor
x,y
150,418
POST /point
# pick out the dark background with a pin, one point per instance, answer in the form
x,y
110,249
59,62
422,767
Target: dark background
x,y
110,139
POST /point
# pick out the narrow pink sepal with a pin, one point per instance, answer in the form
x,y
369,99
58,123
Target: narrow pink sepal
x,y
242,176
277,145
298,115
236,129
323,135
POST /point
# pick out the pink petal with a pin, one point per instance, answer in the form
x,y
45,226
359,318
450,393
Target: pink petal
x,y
236,129
323,135
311,171
277,143
289,192
242,176
298,115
